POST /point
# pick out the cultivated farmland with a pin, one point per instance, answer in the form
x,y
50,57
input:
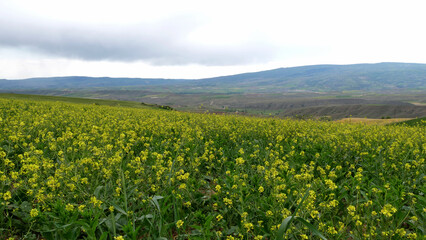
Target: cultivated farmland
x,y
73,171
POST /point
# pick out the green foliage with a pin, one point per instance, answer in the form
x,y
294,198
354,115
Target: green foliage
x,y
413,122
95,102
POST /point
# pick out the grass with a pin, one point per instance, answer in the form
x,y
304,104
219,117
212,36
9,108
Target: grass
x,y
103,102
413,122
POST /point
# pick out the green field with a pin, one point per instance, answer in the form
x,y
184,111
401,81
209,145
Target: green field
x,y
108,170
414,122
76,100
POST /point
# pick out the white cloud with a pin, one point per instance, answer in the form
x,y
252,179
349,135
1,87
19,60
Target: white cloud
x,y
178,38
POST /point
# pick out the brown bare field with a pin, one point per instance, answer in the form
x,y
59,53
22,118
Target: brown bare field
x,y
418,104
372,120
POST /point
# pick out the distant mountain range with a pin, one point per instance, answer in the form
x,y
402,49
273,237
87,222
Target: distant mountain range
x,y
323,78
73,82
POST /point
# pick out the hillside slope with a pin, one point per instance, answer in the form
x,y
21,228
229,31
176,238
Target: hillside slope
x,y
367,77
74,82
378,77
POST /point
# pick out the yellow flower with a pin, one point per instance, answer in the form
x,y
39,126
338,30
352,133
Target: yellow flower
x,y
304,236
227,201
239,161
7,196
119,238
351,210
95,202
412,236
314,214
81,207
261,189
241,151
179,223
401,232
331,230
331,185
388,210
84,181
333,203
248,226
34,212
117,191
69,207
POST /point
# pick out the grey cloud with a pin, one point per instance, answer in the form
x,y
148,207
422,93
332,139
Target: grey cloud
x,y
161,43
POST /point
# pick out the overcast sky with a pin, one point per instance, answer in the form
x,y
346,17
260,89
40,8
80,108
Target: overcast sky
x,y
196,39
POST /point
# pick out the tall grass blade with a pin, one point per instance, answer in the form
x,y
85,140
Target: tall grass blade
x,y
311,227
287,222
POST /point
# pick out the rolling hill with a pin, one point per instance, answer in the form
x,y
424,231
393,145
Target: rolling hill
x,y
79,82
319,78
366,77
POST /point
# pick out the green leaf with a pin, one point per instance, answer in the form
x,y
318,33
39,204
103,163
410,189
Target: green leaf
x,y
287,222
145,217
95,225
97,191
231,230
117,216
311,227
119,209
155,202
104,236
283,228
